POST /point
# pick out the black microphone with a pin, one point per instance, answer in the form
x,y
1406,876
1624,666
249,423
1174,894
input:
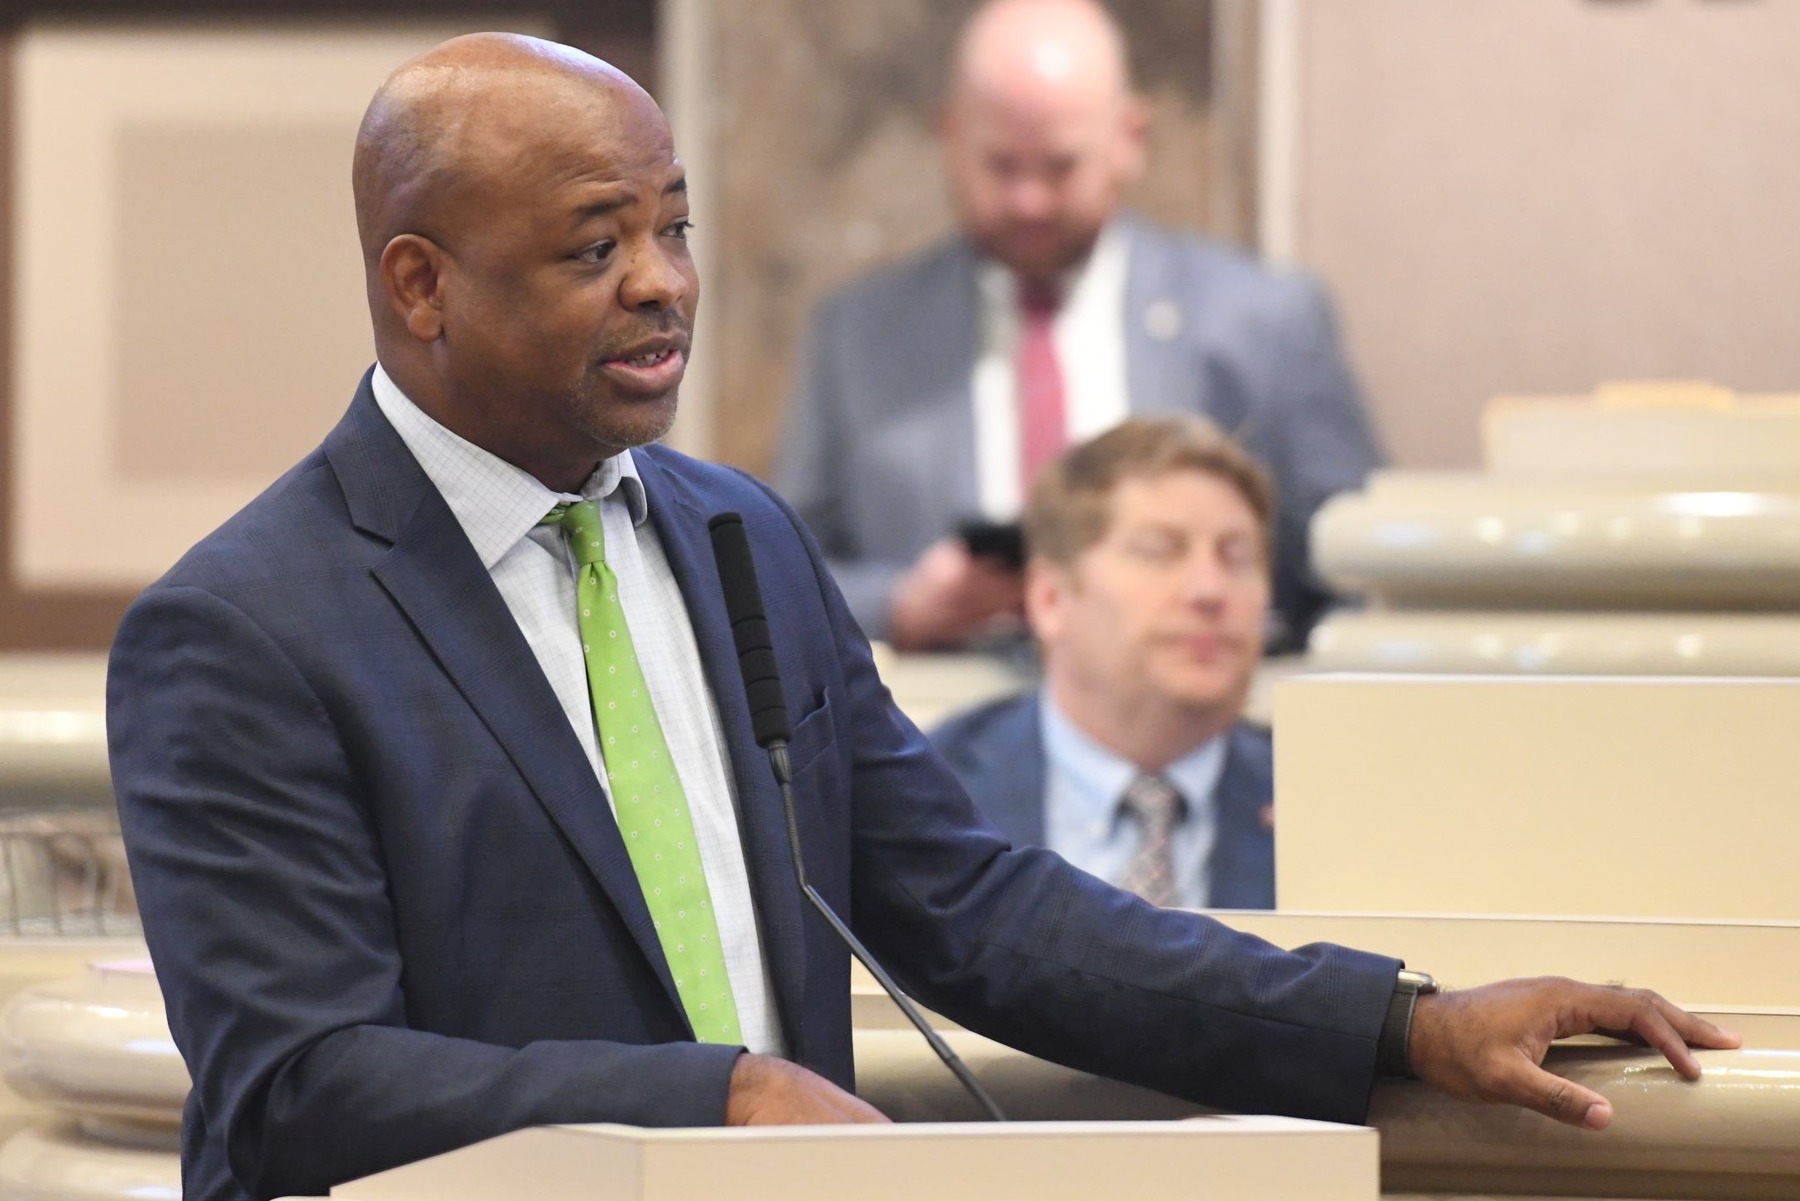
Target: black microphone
x,y
769,719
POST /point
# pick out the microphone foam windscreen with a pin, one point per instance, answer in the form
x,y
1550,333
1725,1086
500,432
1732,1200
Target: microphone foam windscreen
x,y
750,629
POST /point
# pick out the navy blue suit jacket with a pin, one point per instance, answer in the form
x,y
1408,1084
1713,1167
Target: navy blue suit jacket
x,y
997,751
391,913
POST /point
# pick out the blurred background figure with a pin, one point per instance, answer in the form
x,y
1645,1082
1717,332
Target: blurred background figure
x,y
936,388
1147,588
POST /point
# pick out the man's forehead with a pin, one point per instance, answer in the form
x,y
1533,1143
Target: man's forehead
x,y
611,148
661,173
552,108
1049,126
575,140
1142,500
593,194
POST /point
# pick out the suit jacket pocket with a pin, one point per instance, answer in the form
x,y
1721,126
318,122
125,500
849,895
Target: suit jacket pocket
x,y
812,734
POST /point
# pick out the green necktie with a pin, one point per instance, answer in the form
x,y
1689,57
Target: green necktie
x,y
651,807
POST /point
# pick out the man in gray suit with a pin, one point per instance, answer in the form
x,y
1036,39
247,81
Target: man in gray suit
x,y
1147,587
933,389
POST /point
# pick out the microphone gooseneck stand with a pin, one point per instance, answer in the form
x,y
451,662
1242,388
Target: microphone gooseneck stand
x,y
769,719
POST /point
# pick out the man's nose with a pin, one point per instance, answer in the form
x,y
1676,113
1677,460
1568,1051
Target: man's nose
x,y
1204,580
1031,198
653,279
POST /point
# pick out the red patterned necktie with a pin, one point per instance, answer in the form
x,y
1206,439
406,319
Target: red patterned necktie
x,y
1043,428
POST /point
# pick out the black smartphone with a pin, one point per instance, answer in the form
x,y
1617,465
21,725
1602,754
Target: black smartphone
x,y
1002,541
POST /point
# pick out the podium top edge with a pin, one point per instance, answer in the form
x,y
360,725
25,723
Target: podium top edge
x,y
1415,679
1228,916
1202,1125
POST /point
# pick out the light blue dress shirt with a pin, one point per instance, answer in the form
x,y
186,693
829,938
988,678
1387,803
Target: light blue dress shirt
x,y
1085,824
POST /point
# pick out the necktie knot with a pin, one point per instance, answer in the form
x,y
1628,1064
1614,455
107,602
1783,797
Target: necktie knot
x,y
1155,804
581,526
1152,800
1039,301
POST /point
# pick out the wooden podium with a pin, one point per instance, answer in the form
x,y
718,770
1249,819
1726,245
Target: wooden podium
x,y
1220,1158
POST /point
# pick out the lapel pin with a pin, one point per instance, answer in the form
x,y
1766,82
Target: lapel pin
x,y
1162,320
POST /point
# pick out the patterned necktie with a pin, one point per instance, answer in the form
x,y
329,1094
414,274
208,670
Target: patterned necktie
x,y
1039,379
1157,808
648,800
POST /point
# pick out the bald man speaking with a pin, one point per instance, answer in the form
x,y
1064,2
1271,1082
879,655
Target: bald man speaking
x,y
441,791
933,389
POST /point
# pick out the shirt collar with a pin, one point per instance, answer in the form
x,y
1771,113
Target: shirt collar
x,y
495,502
1098,777
999,284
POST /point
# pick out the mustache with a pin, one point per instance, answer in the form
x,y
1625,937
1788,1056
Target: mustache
x,y
670,325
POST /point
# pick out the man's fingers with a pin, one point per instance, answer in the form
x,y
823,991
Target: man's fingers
x,y
1653,1027
1697,1031
1530,1086
1488,1043
1659,1023
858,1110
768,1091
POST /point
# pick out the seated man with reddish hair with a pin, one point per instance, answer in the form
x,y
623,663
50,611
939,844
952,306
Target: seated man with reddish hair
x,y
1147,588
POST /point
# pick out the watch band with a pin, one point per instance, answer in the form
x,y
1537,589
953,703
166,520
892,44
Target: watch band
x,y
1392,1050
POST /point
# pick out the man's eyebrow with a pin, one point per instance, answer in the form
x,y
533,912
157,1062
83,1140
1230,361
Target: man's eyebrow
x,y
602,208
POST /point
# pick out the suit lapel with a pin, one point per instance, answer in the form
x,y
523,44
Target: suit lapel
x,y
1239,864
436,578
1155,317
1006,772
957,322
928,406
680,522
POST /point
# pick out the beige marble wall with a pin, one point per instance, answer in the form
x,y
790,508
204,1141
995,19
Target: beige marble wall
x,y
189,313
181,303
823,163
1535,196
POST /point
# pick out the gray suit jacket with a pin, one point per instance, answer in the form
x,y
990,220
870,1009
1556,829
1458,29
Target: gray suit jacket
x,y
878,455
997,751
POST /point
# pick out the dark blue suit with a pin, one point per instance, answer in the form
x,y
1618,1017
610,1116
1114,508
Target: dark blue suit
x,y
391,913
997,751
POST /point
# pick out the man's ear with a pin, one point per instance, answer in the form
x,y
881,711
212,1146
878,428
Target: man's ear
x,y
1133,137
1047,588
412,275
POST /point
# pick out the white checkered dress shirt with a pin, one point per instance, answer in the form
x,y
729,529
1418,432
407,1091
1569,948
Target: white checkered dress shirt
x,y
499,507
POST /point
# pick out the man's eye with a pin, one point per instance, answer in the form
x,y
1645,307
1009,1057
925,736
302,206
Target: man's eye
x,y
596,253
680,229
1156,548
1237,554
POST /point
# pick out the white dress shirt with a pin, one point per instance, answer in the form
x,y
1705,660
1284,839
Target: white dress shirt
x,y
1089,336
499,507
1083,819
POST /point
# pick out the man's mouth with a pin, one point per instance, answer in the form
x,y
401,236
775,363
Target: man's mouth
x,y
648,360
649,368
1202,645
